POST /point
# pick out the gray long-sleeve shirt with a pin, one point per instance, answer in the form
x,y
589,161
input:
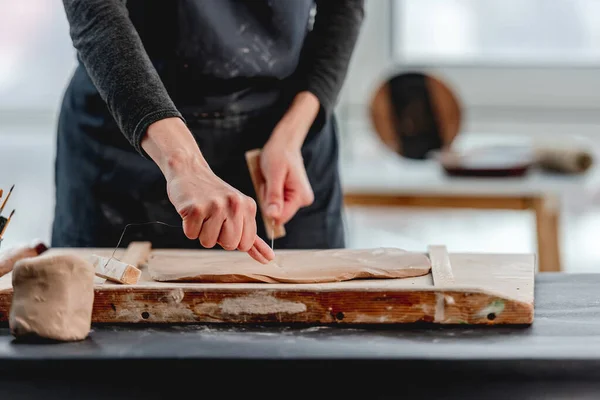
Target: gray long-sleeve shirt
x,y
117,42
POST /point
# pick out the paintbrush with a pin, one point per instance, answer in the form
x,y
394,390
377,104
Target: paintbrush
x,y
5,224
6,199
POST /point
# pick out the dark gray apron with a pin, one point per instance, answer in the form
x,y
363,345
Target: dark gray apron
x,y
102,184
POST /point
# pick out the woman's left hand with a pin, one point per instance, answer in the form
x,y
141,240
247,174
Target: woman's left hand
x,y
287,188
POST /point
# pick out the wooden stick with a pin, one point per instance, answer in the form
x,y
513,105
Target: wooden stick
x,y
6,224
124,271
137,253
441,269
115,270
274,231
6,199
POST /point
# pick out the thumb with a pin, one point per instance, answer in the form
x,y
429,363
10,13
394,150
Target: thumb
x,y
274,183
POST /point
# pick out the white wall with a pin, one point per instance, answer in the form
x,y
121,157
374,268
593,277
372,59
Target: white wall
x,y
370,64
372,55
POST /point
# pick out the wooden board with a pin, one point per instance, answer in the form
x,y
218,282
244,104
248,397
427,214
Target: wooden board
x,y
484,289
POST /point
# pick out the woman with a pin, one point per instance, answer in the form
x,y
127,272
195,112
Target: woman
x,y
167,98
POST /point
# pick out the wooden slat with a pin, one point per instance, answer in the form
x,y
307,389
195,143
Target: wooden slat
x,y
437,201
548,234
441,269
116,271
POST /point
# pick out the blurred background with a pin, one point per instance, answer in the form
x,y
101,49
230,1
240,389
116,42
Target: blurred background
x,y
523,72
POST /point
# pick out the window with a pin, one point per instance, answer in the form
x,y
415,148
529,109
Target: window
x,y
511,53
36,54
499,32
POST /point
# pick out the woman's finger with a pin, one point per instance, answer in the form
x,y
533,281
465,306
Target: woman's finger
x,y
211,229
263,248
290,208
231,232
192,222
248,233
254,253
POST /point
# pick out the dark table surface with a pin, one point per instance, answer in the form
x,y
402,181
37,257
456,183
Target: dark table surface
x,y
556,357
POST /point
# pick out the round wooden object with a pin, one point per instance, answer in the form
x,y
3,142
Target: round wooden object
x,y
414,114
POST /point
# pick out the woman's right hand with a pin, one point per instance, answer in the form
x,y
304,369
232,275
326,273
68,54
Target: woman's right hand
x,y
215,212
212,211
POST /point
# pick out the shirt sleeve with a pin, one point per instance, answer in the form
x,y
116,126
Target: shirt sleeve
x,y
113,54
328,48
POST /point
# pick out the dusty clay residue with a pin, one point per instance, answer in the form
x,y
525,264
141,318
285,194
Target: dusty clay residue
x,y
260,303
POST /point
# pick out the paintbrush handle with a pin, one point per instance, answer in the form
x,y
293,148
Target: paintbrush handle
x,y
4,223
6,199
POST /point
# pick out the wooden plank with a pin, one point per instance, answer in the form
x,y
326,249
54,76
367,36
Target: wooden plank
x,y
114,270
273,231
441,269
137,253
488,289
437,201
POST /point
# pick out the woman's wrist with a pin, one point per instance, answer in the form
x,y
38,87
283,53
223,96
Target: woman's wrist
x,y
172,146
296,122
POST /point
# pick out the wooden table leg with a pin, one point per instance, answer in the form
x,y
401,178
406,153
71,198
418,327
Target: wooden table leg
x,y
547,224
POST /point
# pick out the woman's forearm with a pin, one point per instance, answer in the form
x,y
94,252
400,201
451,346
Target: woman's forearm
x,y
116,61
172,147
296,122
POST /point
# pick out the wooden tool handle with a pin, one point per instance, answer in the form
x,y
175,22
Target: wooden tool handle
x,y
253,160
